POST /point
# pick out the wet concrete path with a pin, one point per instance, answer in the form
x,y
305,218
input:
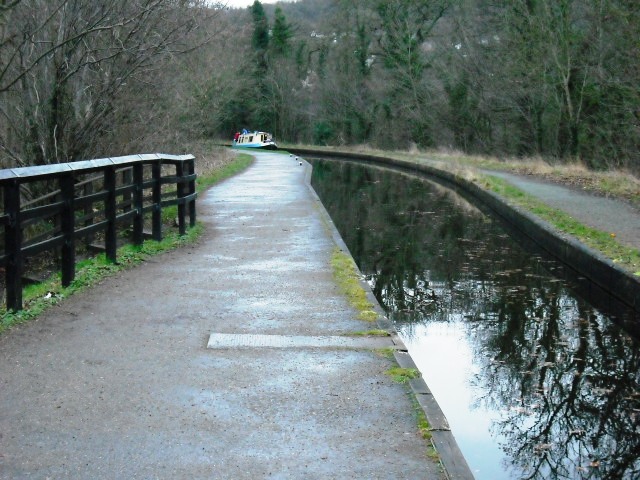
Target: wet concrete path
x,y
118,382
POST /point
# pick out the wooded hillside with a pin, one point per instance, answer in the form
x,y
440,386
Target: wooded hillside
x,y
551,78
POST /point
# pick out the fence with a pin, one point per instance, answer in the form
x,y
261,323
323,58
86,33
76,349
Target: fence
x,y
89,198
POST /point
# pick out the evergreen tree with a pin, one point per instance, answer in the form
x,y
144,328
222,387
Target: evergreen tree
x,y
281,34
258,91
260,36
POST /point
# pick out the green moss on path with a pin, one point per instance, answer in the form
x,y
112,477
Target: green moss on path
x,y
346,274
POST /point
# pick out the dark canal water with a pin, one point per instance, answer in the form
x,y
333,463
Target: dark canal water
x,y
535,380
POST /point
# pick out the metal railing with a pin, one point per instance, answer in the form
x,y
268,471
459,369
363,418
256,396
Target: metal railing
x,y
86,199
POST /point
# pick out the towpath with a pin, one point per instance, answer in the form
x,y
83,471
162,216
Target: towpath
x,y
605,214
117,382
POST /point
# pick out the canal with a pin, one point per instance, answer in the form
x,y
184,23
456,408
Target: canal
x,y
528,362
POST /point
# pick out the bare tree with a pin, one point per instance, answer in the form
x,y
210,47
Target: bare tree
x,y
548,78
65,63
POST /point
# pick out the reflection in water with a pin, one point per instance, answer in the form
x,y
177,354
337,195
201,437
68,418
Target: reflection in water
x,y
554,380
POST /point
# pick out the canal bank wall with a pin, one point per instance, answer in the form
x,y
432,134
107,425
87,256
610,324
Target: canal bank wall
x,y
605,274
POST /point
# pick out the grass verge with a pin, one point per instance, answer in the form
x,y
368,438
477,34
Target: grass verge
x,y
386,352
402,375
604,242
371,333
345,273
38,297
237,165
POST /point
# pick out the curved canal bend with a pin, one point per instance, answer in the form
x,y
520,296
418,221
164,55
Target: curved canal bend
x,y
535,380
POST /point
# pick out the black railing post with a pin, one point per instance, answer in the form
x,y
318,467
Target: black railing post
x,y
138,199
88,211
181,188
110,240
13,246
57,226
126,196
191,170
67,226
156,198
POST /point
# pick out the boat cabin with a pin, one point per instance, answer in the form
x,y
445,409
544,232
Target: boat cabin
x,y
254,139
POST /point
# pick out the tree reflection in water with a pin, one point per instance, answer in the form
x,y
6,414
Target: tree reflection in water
x,y
563,377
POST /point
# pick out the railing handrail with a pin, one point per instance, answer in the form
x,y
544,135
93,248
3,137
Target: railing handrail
x,y
66,202
85,166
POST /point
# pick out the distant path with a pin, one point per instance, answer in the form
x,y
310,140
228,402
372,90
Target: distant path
x,y
606,214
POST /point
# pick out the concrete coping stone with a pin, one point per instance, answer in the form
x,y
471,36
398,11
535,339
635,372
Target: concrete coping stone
x,y
234,341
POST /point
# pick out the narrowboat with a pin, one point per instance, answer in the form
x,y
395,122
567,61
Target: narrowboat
x,y
254,140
